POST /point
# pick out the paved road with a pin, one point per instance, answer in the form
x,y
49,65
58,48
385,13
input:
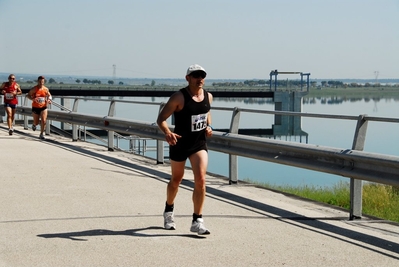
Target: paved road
x,y
67,203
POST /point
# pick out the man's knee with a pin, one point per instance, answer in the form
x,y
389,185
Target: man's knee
x,y
200,183
175,182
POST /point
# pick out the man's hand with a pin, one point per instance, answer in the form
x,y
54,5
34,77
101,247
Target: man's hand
x,y
208,131
171,138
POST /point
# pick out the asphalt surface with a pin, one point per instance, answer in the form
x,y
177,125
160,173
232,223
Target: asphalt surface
x,y
65,203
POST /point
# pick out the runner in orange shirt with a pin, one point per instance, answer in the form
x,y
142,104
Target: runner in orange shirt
x,y
10,90
41,97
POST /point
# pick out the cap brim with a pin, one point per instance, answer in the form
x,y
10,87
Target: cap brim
x,y
197,71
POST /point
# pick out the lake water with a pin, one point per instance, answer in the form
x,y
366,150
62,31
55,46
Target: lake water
x,y
381,137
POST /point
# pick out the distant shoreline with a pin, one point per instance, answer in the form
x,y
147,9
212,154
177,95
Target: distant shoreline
x,y
70,79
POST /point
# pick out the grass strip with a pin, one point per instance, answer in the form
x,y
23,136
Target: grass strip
x,y
378,200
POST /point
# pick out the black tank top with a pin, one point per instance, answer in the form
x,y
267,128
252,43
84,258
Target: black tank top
x,y
191,121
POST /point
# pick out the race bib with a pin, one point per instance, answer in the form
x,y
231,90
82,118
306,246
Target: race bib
x,y
9,96
198,122
40,100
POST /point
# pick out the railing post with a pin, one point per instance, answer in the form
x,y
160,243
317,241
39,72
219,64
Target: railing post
x,y
26,119
48,125
74,126
111,113
233,159
62,102
3,110
160,150
356,186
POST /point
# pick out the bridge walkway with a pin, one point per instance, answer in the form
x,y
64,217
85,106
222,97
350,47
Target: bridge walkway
x,y
67,203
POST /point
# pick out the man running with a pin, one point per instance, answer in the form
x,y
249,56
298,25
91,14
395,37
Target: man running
x,y
10,90
41,97
191,109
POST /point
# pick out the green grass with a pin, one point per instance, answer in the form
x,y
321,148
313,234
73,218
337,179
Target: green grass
x,y
379,200
361,92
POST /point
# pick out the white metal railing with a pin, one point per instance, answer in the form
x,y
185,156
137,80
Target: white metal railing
x,y
139,148
352,163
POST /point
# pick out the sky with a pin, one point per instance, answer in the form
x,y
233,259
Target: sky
x,y
231,39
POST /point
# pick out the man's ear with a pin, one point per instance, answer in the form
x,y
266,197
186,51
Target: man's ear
x,y
187,77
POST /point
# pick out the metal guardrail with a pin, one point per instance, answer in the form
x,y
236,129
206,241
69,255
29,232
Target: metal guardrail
x,y
352,163
345,162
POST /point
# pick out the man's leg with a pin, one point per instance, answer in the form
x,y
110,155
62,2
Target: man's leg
x,y
199,164
9,117
43,121
171,192
177,168
35,120
13,116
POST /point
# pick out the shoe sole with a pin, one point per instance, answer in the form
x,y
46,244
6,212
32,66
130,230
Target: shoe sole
x,y
205,233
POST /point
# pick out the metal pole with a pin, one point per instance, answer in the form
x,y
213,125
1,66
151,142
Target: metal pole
x,y
356,186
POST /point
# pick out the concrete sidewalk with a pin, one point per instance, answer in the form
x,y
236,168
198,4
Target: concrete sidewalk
x,y
67,203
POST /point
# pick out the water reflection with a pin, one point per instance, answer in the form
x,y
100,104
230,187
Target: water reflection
x,y
333,100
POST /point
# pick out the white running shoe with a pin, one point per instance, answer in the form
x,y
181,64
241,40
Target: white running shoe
x,y
199,227
169,220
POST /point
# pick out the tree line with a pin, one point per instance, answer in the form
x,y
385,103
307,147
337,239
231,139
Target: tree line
x,y
259,83
330,83
253,83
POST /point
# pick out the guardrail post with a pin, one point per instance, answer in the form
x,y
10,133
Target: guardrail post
x,y
26,119
160,150
47,130
62,102
111,113
74,126
233,159
356,186
3,110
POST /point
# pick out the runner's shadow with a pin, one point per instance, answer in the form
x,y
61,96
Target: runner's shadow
x,y
78,236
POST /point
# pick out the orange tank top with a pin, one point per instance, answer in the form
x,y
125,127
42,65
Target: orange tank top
x,y
40,97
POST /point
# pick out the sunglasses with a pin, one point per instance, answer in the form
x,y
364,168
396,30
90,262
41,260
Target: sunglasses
x,y
198,74
12,78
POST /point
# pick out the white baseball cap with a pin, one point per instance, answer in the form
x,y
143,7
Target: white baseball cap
x,y
194,68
